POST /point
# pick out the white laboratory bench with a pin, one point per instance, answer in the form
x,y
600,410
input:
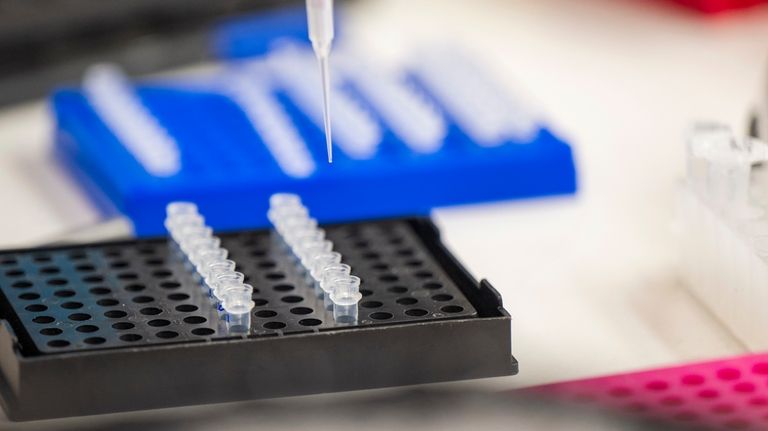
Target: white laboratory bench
x,y
592,281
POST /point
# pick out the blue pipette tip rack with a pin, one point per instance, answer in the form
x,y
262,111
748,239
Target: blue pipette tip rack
x,y
228,168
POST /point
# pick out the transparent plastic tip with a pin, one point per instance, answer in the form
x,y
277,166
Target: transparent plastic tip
x,y
324,76
320,23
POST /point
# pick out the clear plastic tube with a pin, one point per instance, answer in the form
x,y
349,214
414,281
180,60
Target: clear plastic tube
x,y
237,299
279,215
323,266
205,258
290,223
187,233
238,324
195,238
283,200
297,233
308,252
322,261
724,228
179,208
301,235
332,272
176,224
217,267
202,245
345,295
203,250
226,280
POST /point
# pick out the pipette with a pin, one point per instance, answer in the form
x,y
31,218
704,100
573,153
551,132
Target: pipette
x,y
320,23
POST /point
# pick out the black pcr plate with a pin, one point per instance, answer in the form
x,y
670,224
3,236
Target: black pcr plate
x,y
138,293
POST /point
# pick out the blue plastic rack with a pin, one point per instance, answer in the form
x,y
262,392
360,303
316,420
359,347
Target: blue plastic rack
x,y
226,166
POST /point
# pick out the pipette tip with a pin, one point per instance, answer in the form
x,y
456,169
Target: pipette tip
x,y
326,105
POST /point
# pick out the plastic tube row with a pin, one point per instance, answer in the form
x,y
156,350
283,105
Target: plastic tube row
x,y
724,209
250,89
478,105
196,242
114,99
332,279
411,116
355,131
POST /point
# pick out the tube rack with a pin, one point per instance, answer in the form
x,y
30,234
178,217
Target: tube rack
x,y
109,327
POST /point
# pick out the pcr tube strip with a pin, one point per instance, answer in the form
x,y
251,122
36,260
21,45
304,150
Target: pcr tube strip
x,y
197,244
315,253
403,107
724,227
115,101
356,132
251,91
488,115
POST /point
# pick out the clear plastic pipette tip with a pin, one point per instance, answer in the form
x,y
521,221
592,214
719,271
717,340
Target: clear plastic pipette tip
x,y
323,60
320,23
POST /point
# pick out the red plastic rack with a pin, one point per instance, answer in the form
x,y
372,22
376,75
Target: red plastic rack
x,y
717,6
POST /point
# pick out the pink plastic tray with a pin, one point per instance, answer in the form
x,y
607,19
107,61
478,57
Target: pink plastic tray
x,y
724,394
